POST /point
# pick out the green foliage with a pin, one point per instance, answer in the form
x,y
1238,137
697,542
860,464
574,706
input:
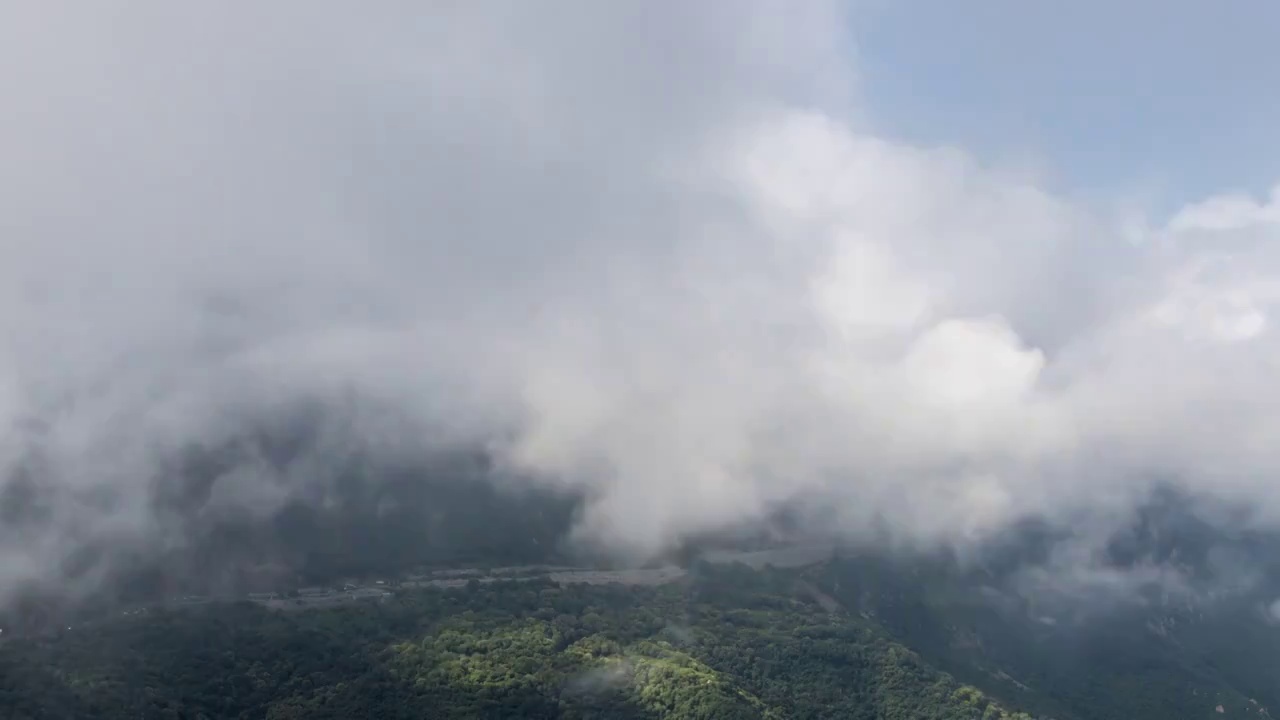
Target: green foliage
x,y
1118,663
733,644
843,640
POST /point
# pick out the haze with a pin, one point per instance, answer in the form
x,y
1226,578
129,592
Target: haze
x,y
664,253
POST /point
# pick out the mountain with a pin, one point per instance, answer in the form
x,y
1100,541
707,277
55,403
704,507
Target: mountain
x,y
1171,616
858,636
729,643
1137,660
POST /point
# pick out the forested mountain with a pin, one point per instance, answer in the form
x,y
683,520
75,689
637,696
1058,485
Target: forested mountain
x,y
729,644
1182,627
849,638
1132,658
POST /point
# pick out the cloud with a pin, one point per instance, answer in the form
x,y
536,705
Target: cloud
x,y
647,250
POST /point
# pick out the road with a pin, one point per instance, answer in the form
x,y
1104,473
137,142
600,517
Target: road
x,y
791,556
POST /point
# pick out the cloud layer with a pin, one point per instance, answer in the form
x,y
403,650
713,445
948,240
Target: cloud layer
x,y
655,251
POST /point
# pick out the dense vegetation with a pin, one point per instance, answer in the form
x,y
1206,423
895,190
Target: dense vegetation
x,y
853,638
732,644
1135,660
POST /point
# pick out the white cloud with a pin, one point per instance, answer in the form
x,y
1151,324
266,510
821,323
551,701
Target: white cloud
x,y
655,238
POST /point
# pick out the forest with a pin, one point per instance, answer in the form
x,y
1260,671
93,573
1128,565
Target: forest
x,y
732,643
848,638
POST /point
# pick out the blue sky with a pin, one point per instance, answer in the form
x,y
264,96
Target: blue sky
x,y
1173,99
633,246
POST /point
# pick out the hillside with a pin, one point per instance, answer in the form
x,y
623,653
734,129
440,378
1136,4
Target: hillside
x,y
1071,662
839,640
863,635
729,644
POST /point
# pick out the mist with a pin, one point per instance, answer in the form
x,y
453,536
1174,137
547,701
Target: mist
x,y
656,255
